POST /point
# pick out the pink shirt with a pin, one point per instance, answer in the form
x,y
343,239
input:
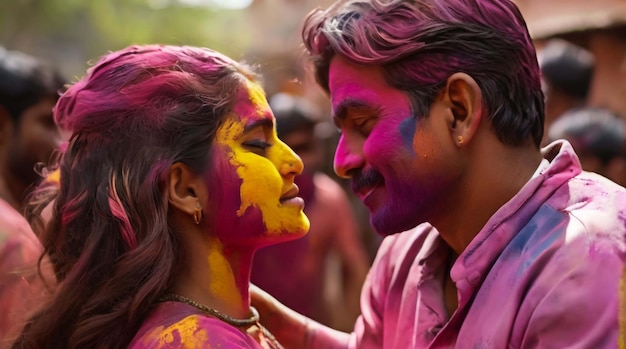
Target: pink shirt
x,y
544,272
21,290
175,325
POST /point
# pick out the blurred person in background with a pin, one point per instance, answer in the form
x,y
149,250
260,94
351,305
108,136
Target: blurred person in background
x,y
599,138
567,72
29,88
326,268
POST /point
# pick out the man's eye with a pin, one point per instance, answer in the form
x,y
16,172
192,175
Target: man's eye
x,y
360,122
364,124
257,143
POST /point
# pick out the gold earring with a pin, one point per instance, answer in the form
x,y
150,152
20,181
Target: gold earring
x,y
197,216
459,139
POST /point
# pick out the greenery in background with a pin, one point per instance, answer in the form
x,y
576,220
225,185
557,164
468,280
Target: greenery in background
x,y
72,32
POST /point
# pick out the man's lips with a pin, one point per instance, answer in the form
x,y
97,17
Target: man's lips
x,y
365,192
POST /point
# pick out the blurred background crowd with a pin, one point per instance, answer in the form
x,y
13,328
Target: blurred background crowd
x,y
581,49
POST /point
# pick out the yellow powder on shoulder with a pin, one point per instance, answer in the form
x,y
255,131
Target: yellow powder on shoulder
x,y
182,334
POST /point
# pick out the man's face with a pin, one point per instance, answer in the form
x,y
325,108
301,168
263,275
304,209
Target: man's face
x,y
254,176
399,168
35,137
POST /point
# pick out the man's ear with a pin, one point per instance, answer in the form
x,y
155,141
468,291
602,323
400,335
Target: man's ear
x,y
185,188
466,105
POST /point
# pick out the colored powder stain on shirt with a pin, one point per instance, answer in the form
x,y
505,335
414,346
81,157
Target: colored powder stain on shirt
x,y
185,334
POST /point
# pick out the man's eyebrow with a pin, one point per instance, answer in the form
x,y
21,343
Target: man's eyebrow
x,y
265,122
340,112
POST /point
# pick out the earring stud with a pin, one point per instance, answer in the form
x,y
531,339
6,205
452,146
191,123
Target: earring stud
x,y
197,215
459,139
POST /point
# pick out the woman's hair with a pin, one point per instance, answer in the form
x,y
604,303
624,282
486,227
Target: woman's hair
x,y
420,43
135,113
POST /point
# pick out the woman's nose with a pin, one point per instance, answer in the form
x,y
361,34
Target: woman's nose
x,y
290,164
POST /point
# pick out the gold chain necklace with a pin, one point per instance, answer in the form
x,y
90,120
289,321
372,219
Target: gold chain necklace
x,y
253,320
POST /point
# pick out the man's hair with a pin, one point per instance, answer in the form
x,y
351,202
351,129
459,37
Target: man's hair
x,y
420,43
567,67
134,114
25,80
596,131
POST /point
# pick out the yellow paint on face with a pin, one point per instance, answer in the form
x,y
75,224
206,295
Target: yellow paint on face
x,y
222,283
257,97
265,177
186,333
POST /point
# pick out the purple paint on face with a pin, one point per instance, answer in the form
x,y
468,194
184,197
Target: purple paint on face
x,y
407,131
397,166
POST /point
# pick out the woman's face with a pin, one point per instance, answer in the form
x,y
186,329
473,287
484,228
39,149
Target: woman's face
x,y
252,196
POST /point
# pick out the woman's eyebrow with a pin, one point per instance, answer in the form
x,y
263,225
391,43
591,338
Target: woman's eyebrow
x,y
266,122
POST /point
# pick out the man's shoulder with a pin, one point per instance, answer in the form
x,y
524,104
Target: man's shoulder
x,y
594,209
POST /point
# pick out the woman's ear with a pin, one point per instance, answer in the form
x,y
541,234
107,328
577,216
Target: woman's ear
x,y
185,187
466,105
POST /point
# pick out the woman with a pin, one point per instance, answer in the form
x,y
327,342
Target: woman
x,y
172,178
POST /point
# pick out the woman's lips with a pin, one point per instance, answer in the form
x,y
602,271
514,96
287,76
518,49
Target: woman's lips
x,y
291,198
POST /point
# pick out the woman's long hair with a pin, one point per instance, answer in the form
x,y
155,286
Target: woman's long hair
x,y
135,113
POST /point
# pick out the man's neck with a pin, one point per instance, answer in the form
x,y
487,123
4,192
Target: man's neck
x,y
488,185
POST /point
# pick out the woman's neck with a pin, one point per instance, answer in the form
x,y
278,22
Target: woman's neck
x,y
217,277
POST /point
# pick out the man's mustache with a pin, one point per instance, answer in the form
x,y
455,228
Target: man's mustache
x,y
365,179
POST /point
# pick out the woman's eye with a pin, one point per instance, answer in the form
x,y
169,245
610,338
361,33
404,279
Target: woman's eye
x,y
258,144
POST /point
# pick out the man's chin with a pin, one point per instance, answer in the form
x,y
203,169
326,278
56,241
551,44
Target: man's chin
x,y
389,224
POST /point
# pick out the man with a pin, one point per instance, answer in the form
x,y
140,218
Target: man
x,y
567,73
598,136
318,288
29,89
441,113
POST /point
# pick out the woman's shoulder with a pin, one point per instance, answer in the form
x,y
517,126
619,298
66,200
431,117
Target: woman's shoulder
x,y
172,325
